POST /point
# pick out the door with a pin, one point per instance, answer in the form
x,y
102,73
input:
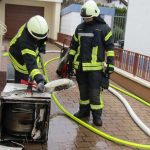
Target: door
x,y
17,15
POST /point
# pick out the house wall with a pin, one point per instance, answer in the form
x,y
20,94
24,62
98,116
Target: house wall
x,y
137,35
54,21
51,13
69,23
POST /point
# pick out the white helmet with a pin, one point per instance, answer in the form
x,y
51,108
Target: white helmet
x,y
90,9
38,27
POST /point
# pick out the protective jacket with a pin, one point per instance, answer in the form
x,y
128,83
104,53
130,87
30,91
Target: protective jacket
x,y
24,54
90,44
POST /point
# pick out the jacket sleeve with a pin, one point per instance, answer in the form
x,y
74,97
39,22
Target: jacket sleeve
x,y
73,46
109,45
29,56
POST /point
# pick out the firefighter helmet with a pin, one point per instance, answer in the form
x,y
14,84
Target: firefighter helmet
x,y
38,27
90,9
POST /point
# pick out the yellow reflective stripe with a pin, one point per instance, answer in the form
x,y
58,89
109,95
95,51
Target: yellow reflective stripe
x,y
5,54
37,51
110,53
17,68
38,59
89,68
95,64
34,72
95,107
78,52
111,66
76,63
14,61
72,52
38,62
76,56
13,41
84,102
92,68
101,105
75,38
94,54
76,67
108,36
28,51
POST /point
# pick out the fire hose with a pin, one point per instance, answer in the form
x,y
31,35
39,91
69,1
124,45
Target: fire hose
x,y
98,132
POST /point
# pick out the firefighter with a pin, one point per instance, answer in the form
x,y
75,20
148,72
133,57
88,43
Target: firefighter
x,y
91,42
24,50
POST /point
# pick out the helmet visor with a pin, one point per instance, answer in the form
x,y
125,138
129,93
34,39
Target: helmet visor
x,y
40,36
83,13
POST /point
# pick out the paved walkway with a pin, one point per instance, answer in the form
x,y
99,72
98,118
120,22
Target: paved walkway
x,y
66,134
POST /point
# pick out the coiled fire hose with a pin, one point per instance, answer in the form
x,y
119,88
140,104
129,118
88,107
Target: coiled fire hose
x,y
107,136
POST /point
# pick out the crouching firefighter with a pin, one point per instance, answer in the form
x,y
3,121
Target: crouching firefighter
x,y
25,48
91,42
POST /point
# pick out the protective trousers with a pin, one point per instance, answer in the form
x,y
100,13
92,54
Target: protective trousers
x,y
89,83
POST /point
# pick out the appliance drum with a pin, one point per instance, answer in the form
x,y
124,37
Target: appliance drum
x,y
18,119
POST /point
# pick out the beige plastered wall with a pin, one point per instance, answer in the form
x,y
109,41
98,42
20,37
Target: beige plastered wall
x,y
51,13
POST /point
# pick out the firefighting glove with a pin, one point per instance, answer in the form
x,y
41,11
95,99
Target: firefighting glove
x,y
105,81
109,69
41,87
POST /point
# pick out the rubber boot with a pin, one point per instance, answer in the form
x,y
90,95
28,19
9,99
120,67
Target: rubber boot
x,y
84,111
97,117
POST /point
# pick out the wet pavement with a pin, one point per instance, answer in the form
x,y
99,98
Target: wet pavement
x,y
66,134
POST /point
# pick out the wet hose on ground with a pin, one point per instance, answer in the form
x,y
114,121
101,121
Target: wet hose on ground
x,y
105,135
130,94
130,111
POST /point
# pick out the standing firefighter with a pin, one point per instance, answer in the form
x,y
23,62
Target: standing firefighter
x,y
91,41
25,48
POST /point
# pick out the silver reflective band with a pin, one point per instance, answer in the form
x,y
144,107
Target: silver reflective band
x,y
86,34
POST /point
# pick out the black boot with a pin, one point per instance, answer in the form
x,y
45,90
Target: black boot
x,y
97,117
84,111
97,121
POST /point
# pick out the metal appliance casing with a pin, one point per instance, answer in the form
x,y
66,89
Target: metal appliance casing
x,y
15,95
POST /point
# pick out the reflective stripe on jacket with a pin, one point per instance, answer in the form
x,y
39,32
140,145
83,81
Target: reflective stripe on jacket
x,y
90,44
